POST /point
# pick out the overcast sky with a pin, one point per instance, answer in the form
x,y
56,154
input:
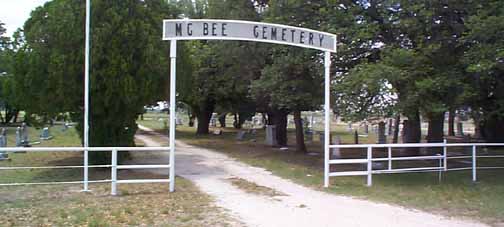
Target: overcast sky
x,y
13,13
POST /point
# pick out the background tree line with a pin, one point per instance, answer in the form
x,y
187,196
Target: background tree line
x,y
396,59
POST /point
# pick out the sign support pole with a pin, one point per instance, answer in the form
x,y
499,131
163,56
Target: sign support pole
x,y
86,97
173,104
327,109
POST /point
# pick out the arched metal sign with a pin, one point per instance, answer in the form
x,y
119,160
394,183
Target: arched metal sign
x,y
186,29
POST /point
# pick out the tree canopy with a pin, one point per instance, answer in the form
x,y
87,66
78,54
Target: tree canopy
x,y
396,58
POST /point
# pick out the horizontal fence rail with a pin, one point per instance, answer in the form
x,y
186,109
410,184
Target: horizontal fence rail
x,y
114,165
442,157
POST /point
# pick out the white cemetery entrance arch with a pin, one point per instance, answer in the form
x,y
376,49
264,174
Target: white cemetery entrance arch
x,y
188,29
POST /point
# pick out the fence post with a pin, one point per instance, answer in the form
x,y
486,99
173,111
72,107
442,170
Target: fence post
x,y
369,166
389,158
113,171
86,170
445,156
440,172
173,110
474,163
327,119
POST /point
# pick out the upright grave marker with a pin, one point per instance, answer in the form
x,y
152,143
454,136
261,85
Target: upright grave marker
x,y
3,143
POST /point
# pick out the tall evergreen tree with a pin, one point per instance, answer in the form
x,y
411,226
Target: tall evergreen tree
x,y
128,64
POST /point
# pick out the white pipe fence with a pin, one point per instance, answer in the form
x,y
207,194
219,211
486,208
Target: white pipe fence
x,y
443,158
114,166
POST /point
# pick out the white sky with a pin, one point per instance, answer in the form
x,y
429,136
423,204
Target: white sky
x,y
13,13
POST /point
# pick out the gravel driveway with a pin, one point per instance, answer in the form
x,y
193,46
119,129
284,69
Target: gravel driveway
x,y
300,206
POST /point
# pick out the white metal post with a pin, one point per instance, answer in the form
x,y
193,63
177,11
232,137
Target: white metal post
x,y
173,71
86,95
474,163
389,158
369,166
445,156
327,109
440,172
113,171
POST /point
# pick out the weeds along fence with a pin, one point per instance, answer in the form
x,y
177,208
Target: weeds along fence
x,y
114,166
435,157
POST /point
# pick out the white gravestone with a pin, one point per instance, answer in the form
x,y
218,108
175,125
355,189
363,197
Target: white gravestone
x,y
24,135
18,137
271,135
46,135
3,143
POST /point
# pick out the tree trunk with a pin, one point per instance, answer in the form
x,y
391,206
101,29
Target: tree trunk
x,y
451,123
436,128
412,132
16,115
204,114
191,120
271,117
493,129
222,120
241,120
236,125
280,120
395,139
300,144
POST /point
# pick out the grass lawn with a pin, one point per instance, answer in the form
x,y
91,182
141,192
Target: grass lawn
x,y
65,205
456,195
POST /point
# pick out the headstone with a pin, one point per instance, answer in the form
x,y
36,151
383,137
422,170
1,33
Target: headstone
x,y
460,129
312,121
256,121
335,152
349,128
24,134
213,120
65,127
271,135
46,135
18,137
241,135
3,143
3,138
178,121
382,138
309,135
252,132
378,165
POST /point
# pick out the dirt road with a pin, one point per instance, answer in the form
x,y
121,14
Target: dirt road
x,y
300,206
